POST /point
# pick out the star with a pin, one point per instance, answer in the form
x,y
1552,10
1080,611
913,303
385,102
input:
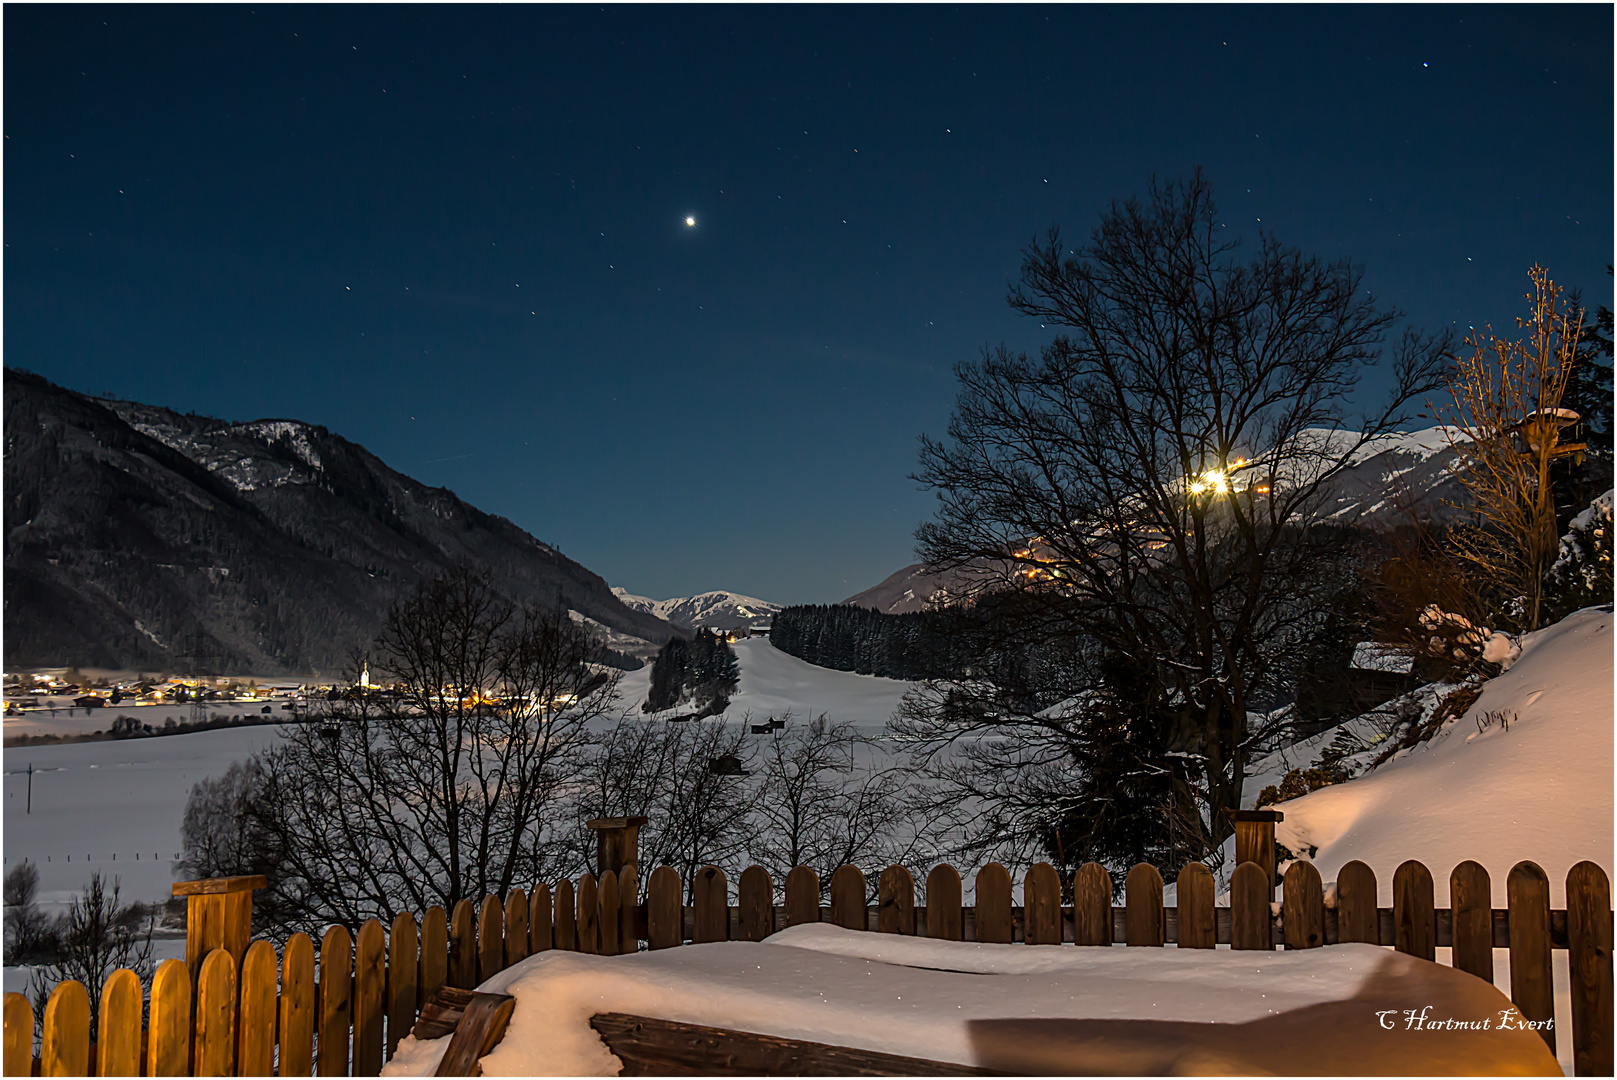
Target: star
x,y
690,222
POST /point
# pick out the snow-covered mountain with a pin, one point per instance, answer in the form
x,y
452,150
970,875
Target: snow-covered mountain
x,y
719,610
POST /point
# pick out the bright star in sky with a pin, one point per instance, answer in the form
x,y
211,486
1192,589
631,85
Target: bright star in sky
x,y
690,221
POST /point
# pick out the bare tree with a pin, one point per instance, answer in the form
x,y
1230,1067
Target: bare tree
x,y
1504,421
98,935
1153,491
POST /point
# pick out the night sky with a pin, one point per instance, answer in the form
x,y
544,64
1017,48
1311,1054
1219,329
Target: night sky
x,y
457,236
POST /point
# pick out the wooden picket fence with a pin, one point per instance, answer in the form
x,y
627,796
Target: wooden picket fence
x,y
278,1015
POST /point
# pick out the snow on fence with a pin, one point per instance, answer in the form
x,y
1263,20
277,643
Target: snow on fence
x,y
254,1010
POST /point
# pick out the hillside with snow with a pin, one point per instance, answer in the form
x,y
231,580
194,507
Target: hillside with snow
x,y
719,610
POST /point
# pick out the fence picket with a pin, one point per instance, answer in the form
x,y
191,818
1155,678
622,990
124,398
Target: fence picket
x,y
117,1047
848,898
255,1029
607,923
434,954
895,901
665,909
297,1006
564,932
802,896
1588,924
19,1035
336,1001
1041,905
711,900
589,915
1303,912
1250,926
64,1048
756,901
1092,905
463,946
216,1016
516,926
945,914
168,1027
1142,906
403,973
1471,899
490,938
1532,985
370,998
1198,923
993,912
539,920
628,909
1357,917
1414,917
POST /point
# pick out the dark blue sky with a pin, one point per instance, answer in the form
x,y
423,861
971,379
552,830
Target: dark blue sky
x,y
456,235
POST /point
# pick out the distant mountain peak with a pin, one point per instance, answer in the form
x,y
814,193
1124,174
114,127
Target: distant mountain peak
x,y
718,610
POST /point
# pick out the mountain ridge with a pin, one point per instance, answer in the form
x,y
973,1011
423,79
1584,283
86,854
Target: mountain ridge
x,y
718,610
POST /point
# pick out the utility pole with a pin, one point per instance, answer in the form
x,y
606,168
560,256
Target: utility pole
x,y
30,787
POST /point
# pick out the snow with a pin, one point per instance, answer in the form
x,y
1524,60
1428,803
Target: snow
x,y
1601,506
1539,790
720,609
1368,656
902,995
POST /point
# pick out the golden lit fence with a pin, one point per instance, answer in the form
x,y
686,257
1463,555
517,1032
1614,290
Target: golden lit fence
x,y
341,1009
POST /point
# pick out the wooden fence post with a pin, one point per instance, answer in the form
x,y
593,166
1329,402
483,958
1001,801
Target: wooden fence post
x,y
1142,899
564,931
1198,922
993,906
1303,913
895,901
711,899
516,926
403,979
168,1028
216,1016
370,998
1250,924
117,1047
1588,918
1471,901
255,1028
490,938
617,843
218,915
848,898
336,1001
1092,905
19,1035
1255,841
1357,916
589,915
756,901
1041,905
64,1048
609,920
1532,985
434,953
1414,916
298,1007
665,909
944,908
629,918
463,946
802,896
539,939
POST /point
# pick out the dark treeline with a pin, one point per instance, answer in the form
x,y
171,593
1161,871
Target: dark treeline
x,y
916,645
703,669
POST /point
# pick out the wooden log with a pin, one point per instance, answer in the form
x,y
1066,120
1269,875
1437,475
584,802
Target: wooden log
x,y
1357,917
564,926
434,968
802,896
1303,913
589,915
848,898
490,938
755,902
607,921
944,908
895,901
481,1026
1471,929
539,915
1197,921
441,1013
255,1031
629,928
1142,899
1588,911
711,900
653,1047
1412,911
1532,985
64,1048
336,1001
298,1007
665,909
19,1035
516,926
168,1027
1092,905
463,945
215,1053
370,998
1251,926
403,979
1041,900
117,1046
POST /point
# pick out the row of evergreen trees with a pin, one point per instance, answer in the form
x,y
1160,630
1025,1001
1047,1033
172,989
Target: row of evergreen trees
x,y
703,670
915,645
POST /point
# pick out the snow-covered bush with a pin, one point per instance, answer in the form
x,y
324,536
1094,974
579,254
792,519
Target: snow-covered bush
x,y
1581,575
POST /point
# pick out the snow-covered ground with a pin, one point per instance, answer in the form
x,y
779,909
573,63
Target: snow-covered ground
x,y
1014,1007
62,717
